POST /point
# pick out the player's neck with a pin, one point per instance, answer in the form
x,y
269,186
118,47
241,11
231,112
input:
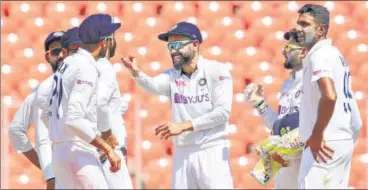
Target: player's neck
x,y
318,40
191,67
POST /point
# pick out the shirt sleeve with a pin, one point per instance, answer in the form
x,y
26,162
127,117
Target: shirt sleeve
x,y
43,142
159,85
83,88
269,116
124,105
222,96
321,64
19,126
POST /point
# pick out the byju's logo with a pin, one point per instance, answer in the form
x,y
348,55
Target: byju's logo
x,y
181,99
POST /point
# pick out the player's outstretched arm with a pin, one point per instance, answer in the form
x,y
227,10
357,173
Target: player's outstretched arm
x,y
254,95
158,85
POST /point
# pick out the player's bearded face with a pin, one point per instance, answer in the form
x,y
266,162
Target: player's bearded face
x,y
182,56
111,46
291,59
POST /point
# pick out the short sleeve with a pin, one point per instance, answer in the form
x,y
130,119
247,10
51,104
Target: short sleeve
x,y
322,63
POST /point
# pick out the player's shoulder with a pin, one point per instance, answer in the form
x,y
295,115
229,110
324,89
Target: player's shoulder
x,y
326,51
286,86
45,85
215,69
104,64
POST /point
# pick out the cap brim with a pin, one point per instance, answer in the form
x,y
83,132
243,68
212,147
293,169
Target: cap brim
x,y
165,36
114,27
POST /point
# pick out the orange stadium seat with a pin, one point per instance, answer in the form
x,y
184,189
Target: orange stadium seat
x,y
176,11
63,9
253,10
213,9
269,23
112,8
26,9
139,9
10,24
253,53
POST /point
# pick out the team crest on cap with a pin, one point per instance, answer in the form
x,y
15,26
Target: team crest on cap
x,y
202,82
58,34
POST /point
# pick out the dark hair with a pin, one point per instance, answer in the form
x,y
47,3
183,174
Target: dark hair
x,y
320,13
293,33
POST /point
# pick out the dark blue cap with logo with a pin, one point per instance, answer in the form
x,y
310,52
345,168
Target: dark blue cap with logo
x,y
52,37
70,37
97,27
184,29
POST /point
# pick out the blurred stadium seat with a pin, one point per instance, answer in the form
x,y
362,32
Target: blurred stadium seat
x,y
246,35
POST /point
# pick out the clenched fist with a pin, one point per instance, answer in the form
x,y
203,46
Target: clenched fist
x,y
254,94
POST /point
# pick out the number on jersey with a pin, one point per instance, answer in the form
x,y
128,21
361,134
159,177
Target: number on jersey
x,y
57,92
347,89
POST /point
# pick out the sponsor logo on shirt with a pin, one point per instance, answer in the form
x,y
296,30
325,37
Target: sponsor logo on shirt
x,y
318,72
180,83
181,99
284,109
84,82
224,77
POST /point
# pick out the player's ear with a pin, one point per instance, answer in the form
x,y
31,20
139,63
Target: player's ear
x,y
47,57
63,53
303,53
321,30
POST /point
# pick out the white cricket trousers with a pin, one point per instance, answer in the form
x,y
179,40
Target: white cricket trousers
x,y
120,179
77,168
287,177
208,168
333,175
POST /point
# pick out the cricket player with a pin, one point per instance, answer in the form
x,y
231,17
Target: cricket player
x,y
201,92
287,117
76,161
41,154
329,116
111,104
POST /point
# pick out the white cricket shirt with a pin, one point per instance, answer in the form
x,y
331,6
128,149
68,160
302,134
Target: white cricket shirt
x,y
325,60
205,99
289,102
74,93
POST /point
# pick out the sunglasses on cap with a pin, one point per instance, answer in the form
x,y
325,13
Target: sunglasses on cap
x,y
54,52
178,44
290,48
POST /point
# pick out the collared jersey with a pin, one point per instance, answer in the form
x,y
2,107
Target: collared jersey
x,y
73,94
204,98
325,60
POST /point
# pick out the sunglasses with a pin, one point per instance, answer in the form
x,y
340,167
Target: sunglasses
x,y
178,44
289,48
54,52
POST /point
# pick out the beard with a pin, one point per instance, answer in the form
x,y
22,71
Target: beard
x,y
111,50
55,66
179,59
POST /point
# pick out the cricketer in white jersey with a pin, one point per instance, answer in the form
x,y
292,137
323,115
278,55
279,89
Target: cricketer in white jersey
x,y
287,117
29,112
108,90
75,159
329,116
201,104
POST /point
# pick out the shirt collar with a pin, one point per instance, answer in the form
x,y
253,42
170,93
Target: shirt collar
x,y
319,44
296,75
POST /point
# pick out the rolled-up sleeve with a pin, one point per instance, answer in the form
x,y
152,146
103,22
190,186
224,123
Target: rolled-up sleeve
x,y
222,96
83,88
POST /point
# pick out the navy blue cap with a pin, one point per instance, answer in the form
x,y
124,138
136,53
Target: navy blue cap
x,y
70,37
97,27
184,29
52,37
